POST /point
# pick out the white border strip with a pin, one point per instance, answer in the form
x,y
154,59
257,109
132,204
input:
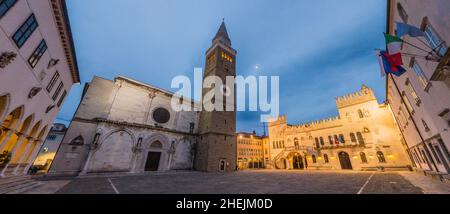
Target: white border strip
x,y
114,187
364,186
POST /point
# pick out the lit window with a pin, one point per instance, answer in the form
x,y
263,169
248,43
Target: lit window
x,y
381,157
360,113
37,54
353,137
420,74
325,157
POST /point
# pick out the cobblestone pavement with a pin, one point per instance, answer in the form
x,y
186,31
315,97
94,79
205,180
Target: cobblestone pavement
x,y
246,182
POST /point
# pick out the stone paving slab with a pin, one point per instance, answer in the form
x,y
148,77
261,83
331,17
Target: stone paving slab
x,y
247,182
427,184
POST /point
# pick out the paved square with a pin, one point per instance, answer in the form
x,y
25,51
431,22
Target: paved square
x,y
246,182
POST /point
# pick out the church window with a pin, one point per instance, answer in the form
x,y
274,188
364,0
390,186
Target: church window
x,y
363,157
227,57
161,115
381,157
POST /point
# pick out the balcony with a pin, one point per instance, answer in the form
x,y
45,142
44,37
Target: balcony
x,y
442,71
342,146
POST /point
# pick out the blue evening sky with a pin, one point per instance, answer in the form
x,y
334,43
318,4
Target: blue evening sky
x,y
320,49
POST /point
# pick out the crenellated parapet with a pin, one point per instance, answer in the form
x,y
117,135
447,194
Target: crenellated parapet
x,y
364,95
315,125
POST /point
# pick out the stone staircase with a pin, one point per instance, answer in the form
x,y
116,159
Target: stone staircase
x,y
17,185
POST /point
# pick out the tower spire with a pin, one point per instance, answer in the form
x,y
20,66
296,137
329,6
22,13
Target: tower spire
x,y
222,34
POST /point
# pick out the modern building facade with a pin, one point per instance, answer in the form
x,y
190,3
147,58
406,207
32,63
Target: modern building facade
x,y
48,150
251,152
420,98
37,70
127,126
364,136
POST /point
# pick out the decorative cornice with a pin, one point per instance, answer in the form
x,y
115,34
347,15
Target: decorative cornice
x,y
136,125
65,33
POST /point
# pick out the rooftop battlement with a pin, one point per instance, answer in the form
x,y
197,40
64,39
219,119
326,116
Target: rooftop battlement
x,y
319,124
363,95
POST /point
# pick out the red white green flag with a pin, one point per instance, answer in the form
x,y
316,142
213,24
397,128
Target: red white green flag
x,y
394,46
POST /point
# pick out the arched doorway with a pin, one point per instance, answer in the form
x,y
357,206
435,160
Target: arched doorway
x,y
154,157
344,158
281,163
298,162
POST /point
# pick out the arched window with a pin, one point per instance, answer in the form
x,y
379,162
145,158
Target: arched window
x,y
341,138
325,158
314,159
363,157
360,139
402,13
296,144
330,139
360,113
322,142
336,139
273,144
353,138
283,144
381,158
317,140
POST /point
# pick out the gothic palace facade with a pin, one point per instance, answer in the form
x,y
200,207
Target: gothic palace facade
x,y
364,136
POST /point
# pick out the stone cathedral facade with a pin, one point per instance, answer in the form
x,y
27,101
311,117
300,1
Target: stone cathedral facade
x,y
128,126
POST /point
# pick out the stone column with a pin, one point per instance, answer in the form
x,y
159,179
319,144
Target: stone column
x,y
32,156
88,160
6,139
14,150
23,156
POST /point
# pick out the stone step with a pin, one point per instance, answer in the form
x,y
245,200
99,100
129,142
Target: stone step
x,y
18,186
12,179
26,188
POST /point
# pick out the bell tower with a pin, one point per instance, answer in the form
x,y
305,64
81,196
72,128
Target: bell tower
x,y
216,151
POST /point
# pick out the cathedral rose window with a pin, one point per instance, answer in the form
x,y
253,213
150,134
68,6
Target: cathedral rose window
x,y
161,115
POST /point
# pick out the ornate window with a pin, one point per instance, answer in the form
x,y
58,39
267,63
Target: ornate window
x,y
363,157
322,142
161,115
381,157
330,140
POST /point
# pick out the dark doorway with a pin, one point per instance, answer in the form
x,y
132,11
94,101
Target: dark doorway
x,y
222,165
152,163
344,158
298,162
